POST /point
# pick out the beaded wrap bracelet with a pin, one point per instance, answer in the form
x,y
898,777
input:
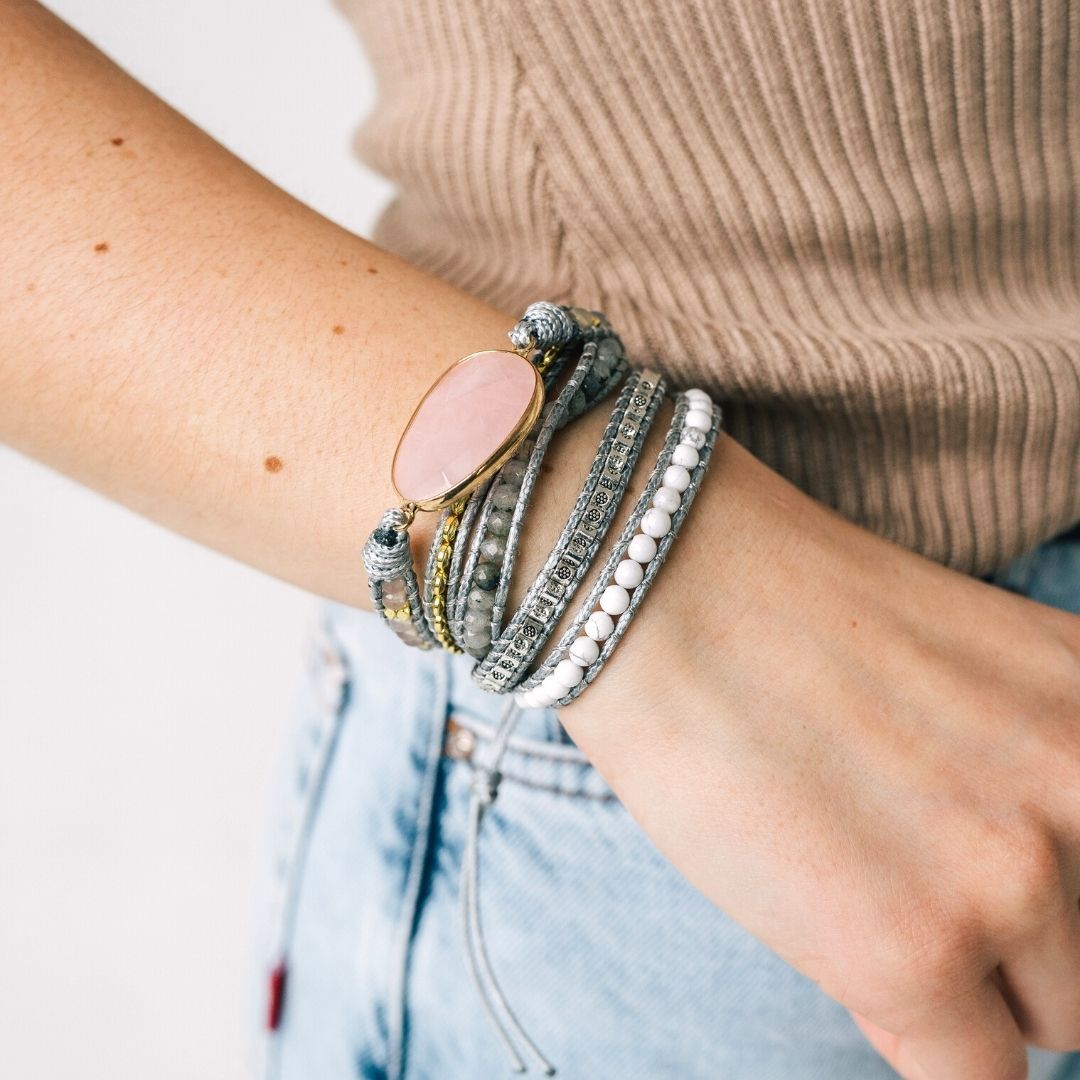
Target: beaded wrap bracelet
x,y
635,560
480,598
579,542
502,589
510,493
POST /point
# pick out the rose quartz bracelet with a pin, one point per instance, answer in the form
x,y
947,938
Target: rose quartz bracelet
x,y
466,427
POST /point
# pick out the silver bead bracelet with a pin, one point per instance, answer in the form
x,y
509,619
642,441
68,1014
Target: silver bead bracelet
x,y
634,561
579,542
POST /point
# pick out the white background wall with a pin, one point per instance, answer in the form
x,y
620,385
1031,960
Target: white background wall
x,y
144,681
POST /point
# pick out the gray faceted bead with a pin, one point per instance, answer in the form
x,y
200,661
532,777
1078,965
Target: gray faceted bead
x,y
486,576
479,600
512,473
493,548
499,523
475,640
609,350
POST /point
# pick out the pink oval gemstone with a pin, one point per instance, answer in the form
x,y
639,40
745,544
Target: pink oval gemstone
x,y
463,422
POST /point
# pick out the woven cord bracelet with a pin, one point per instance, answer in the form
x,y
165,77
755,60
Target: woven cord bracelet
x,y
634,561
511,494
439,570
581,537
492,550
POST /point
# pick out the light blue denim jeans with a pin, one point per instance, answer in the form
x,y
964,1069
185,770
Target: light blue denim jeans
x,y
615,965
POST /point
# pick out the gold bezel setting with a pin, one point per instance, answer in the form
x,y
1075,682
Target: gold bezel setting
x,y
496,460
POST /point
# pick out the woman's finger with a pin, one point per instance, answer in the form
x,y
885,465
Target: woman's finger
x,y
975,1034
1041,981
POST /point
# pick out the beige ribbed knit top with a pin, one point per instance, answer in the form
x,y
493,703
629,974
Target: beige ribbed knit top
x,y
854,220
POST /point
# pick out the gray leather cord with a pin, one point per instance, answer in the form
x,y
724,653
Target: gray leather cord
x,y
618,553
482,793
457,594
579,542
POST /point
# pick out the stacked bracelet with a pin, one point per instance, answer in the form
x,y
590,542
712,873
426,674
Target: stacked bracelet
x,y
473,449
581,537
634,561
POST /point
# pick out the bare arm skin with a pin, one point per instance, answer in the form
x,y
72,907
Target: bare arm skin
x,y
873,763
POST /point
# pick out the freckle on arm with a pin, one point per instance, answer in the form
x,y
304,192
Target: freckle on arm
x,y
102,247
273,464
117,140
339,329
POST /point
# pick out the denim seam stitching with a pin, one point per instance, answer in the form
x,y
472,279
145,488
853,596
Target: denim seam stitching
x,y
419,859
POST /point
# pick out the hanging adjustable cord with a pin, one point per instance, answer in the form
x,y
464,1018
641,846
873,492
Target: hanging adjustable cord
x,y
483,789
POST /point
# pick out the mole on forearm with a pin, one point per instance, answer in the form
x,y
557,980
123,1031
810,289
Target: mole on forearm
x,y
102,247
273,464
339,329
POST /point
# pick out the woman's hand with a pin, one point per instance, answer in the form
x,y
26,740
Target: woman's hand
x,y
868,760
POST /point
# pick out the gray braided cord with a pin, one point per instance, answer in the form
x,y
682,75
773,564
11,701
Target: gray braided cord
x,y
594,388
555,419
545,324
653,568
529,628
456,596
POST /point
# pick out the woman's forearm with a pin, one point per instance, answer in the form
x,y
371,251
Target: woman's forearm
x,y
184,337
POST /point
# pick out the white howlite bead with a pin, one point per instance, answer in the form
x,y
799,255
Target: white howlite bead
x,y
696,394
614,600
567,673
667,499
599,625
692,437
677,477
642,548
551,689
686,456
656,523
526,699
629,573
542,697
584,651
698,419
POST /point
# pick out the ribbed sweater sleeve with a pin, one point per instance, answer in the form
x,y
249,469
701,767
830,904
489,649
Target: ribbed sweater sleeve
x,y
854,220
